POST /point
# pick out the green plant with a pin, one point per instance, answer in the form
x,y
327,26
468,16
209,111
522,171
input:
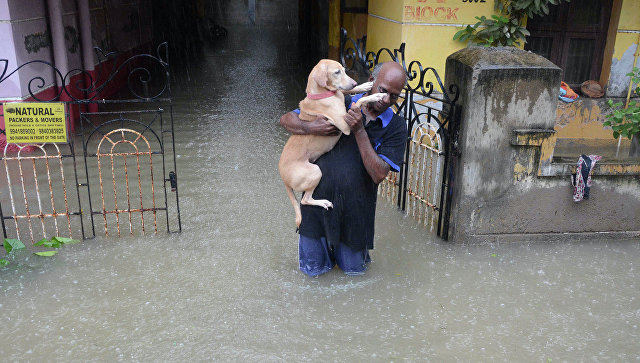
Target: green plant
x,y
625,121
11,244
506,29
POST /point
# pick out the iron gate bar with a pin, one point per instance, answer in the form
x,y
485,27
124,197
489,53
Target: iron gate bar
x,y
175,168
98,129
41,215
113,173
121,120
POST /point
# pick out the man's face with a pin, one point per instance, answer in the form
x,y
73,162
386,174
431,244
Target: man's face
x,y
390,81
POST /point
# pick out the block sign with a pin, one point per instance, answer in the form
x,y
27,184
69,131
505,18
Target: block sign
x,y
35,122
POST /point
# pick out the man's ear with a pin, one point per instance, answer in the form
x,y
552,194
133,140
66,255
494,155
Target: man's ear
x,y
320,76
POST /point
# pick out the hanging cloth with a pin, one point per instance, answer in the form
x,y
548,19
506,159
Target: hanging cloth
x,y
581,180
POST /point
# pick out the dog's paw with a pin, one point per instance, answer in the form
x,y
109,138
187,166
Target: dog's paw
x,y
325,204
365,87
370,99
376,97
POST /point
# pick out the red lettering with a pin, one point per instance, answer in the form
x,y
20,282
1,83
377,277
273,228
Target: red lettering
x,y
427,12
409,12
437,13
452,14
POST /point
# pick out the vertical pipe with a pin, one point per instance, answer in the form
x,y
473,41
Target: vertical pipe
x,y
86,42
88,62
56,25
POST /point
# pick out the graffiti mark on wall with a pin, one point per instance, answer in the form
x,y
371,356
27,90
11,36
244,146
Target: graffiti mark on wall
x,y
413,13
36,41
72,39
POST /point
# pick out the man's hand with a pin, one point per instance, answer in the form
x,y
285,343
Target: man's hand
x,y
354,119
322,127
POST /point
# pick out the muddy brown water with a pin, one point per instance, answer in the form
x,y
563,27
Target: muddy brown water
x,y
227,288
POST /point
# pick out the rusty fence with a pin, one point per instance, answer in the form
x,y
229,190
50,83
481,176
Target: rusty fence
x,y
425,184
117,170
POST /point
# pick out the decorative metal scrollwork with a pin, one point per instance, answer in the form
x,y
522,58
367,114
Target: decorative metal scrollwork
x,y
147,77
353,57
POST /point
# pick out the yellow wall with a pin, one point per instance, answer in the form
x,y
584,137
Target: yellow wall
x,y
391,9
383,34
630,15
629,21
426,26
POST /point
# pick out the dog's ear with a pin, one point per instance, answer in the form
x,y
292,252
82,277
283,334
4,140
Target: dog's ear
x,y
320,75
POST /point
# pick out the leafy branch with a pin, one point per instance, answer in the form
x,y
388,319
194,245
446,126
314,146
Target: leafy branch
x,y
506,29
11,244
625,121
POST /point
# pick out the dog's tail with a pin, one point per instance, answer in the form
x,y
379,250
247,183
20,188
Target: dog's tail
x,y
296,206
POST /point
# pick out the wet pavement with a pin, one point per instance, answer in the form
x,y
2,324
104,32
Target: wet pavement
x,y
227,288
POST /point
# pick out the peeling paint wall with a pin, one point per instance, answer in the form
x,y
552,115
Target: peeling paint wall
x,y
580,130
618,80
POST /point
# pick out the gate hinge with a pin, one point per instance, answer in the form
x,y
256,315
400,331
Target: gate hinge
x,y
173,179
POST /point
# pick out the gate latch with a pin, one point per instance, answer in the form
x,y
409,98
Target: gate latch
x,y
173,179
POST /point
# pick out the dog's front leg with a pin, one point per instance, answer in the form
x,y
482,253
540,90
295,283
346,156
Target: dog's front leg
x,y
371,98
365,87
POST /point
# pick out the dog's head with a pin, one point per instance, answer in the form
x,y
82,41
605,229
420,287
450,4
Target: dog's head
x,y
330,74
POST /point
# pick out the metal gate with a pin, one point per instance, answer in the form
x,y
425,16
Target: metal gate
x,y
115,174
424,185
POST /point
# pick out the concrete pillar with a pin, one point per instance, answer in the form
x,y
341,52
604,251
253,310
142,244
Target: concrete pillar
x,y
502,188
88,61
56,25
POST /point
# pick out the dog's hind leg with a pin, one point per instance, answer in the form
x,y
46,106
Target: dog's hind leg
x,y
296,207
312,179
307,199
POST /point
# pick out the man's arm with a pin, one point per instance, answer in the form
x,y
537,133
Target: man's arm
x,y
375,166
320,126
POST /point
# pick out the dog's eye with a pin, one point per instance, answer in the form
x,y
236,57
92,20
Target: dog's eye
x,y
337,72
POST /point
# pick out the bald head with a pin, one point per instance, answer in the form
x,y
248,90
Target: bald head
x,y
394,67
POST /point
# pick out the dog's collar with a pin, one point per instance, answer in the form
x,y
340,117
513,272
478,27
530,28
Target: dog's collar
x,y
319,96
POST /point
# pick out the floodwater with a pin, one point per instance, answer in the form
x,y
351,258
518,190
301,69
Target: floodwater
x,y
227,288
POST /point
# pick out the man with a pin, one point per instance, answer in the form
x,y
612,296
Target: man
x,y
351,172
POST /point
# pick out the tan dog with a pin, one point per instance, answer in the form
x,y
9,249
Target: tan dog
x,y
326,84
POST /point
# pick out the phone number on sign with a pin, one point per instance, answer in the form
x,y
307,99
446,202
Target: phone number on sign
x,y
58,130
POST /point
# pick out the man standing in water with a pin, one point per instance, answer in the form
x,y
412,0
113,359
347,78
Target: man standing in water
x,y
351,172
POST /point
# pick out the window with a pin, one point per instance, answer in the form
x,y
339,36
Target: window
x,y
572,36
